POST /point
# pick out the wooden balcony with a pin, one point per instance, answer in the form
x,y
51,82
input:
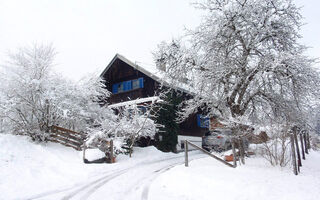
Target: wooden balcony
x,y
126,96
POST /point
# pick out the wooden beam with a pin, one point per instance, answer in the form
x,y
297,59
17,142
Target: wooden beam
x,y
211,155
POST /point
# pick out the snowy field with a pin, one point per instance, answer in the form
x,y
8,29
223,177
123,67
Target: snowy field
x,y
51,171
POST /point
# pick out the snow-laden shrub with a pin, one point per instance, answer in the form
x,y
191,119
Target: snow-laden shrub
x,y
277,149
124,129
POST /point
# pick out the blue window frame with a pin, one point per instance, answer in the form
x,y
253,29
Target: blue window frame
x,y
202,121
127,85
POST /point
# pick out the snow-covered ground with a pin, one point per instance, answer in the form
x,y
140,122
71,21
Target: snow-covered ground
x,y
51,171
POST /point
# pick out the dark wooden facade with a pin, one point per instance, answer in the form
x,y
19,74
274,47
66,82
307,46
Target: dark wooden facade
x,y
120,69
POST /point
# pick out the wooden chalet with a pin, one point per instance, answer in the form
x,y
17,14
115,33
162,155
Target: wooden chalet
x,y
131,83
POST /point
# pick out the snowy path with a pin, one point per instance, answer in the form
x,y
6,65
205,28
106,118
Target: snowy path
x,y
123,183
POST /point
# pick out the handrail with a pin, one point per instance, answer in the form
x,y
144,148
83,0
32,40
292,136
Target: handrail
x,y
204,151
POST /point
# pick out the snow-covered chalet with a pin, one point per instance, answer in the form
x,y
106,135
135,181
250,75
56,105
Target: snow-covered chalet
x,y
131,83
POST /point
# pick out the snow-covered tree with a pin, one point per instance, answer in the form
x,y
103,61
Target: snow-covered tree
x,y
23,86
244,61
167,136
33,97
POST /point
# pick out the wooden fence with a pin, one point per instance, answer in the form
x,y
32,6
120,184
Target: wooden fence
x,y
236,142
67,137
298,152
186,143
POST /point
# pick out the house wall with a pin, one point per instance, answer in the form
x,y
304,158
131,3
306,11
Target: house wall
x,y
190,127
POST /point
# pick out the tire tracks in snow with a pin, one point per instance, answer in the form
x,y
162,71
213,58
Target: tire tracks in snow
x,y
148,178
96,186
145,191
84,191
81,185
92,187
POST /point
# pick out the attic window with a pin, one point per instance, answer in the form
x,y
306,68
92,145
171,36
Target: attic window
x,y
127,86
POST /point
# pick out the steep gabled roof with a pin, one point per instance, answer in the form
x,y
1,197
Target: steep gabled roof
x,y
130,63
155,74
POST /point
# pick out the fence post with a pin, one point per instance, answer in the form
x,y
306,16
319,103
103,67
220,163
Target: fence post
x,y
46,116
84,153
294,162
305,143
302,147
186,153
111,151
297,148
234,153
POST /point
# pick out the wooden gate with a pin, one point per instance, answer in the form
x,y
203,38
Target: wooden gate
x,y
67,137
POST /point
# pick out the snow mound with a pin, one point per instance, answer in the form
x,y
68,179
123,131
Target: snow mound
x,y
25,167
94,154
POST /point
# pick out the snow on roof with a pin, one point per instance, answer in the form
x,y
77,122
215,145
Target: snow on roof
x,y
153,73
135,102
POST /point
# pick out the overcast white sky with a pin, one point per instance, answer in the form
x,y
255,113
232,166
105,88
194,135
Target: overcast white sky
x,y
87,34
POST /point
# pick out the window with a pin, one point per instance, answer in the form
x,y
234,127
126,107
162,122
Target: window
x,y
202,121
127,85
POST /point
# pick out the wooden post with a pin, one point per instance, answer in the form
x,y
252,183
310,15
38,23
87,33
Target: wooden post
x,y
186,153
302,147
47,115
234,153
241,150
297,148
111,152
294,162
211,155
305,143
84,152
